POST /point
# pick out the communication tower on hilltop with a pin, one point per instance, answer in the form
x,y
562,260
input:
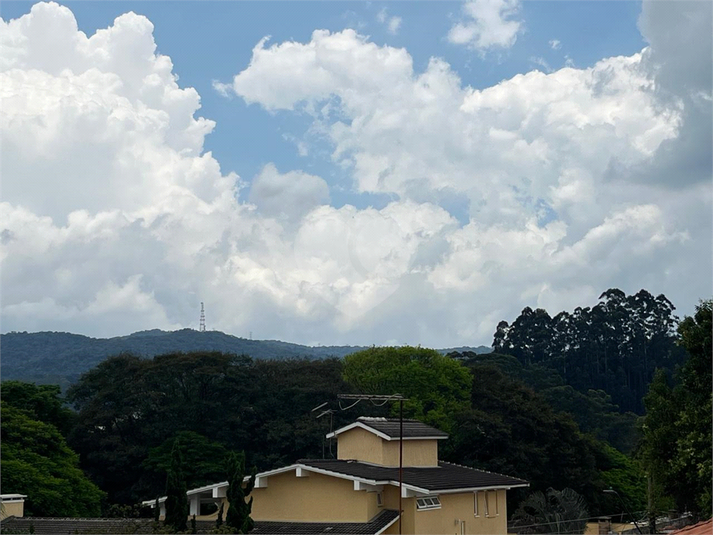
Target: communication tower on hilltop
x,y
201,327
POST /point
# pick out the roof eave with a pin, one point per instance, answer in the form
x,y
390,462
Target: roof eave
x,y
378,433
474,489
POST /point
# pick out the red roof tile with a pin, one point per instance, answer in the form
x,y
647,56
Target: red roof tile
x,y
702,528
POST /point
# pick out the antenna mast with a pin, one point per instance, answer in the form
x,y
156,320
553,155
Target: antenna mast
x,y
201,327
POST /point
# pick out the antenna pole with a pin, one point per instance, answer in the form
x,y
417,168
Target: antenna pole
x,y
401,459
386,398
201,326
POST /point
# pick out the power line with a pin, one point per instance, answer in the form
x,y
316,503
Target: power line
x,y
572,520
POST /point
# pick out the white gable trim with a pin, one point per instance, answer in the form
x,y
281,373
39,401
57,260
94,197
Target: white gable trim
x,y
355,425
152,503
207,488
376,432
359,483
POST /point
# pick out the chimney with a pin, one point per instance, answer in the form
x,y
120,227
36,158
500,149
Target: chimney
x,y
604,525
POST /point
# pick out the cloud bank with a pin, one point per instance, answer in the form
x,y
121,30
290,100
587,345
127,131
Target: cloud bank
x,y
543,190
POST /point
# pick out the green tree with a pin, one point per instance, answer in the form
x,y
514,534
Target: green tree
x,y
238,516
176,500
128,405
623,474
113,431
614,346
513,430
658,443
202,459
692,462
676,444
437,387
42,402
37,462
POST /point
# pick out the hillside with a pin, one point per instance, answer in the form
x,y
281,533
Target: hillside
x,y
57,357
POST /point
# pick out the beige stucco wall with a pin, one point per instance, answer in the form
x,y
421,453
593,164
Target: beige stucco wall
x,y
320,498
363,445
592,528
461,507
416,453
391,501
14,508
316,498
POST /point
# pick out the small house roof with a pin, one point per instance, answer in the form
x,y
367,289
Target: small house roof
x,y
51,526
375,526
390,428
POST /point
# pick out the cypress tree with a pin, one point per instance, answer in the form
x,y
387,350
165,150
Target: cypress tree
x,y
176,501
219,520
238,516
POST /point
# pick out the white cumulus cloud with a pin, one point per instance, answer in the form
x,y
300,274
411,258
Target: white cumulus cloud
x,y
529,192
488,24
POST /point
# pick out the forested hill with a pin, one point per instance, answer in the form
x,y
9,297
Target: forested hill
x,y
60,358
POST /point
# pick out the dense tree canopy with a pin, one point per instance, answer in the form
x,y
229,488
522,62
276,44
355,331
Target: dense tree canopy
x,y
203,460
37,462
676,446
127,406
41,402
436,386
513,430
614,346
528,411
593,410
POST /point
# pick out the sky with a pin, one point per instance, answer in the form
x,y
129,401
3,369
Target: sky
x,y
343,172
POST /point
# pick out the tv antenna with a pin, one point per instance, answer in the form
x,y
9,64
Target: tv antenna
x,y
326,412
386,399
201,327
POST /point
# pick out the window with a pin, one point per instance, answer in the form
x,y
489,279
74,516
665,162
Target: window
x,y
429,502
491,503
379,499
476,511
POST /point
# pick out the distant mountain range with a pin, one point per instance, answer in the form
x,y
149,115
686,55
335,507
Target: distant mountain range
x,y
60,358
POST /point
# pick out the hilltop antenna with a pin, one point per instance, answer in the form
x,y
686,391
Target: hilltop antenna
x,y
201,327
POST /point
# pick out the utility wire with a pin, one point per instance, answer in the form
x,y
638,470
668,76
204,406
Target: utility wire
x,y
349,407
572,520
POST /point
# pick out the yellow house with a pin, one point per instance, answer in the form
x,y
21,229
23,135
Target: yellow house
x,y
360,491
12,505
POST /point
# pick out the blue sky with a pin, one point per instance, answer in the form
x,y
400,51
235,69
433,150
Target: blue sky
x,y
415,173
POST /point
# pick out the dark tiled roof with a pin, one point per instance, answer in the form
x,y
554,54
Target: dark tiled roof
x,y
372,527
91,526
412,428
446,476
82,526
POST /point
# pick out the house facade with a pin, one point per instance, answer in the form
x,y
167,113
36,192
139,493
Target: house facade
x,y
360,491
